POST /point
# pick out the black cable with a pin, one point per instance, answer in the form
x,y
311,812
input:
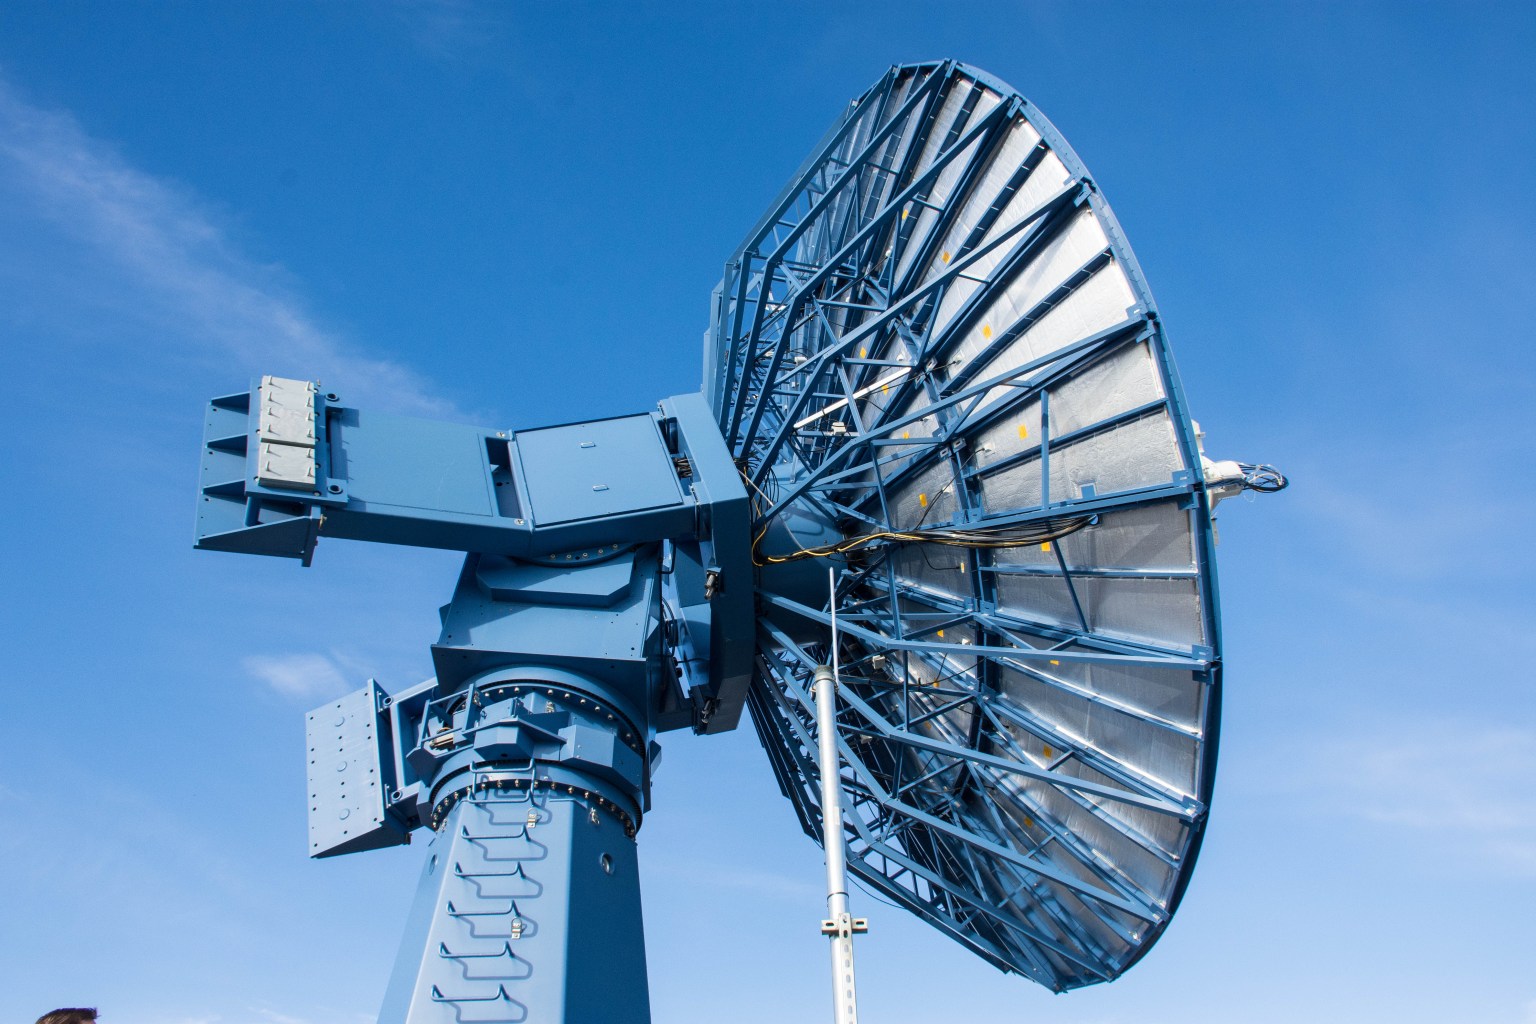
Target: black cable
x,y
977,539
1260,477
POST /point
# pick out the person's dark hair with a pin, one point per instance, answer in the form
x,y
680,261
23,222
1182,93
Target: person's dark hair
x,y
69,1015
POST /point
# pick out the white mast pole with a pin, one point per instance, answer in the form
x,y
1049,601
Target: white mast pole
x,y
838,925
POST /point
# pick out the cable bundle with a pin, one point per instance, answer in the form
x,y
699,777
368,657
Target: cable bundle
x,y
1260,477
1041,532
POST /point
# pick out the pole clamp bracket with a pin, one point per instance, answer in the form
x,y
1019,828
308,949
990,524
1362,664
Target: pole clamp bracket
x,y
844,925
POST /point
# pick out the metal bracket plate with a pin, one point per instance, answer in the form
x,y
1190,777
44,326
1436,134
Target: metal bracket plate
x,y
348,778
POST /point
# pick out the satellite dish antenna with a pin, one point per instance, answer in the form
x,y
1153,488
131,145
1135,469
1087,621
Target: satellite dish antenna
x,y
939,517
941,369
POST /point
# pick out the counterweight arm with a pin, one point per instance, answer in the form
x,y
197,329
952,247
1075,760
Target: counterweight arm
x,y
286,463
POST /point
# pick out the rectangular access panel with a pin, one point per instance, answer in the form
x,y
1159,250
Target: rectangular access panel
x,y
603,468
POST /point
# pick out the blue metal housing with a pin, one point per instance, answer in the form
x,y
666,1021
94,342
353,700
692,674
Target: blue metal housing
x,y
528,910
606,596
560,496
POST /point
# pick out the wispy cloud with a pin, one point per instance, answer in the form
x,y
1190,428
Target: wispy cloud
x,y
270,1016
273,1017
172,251
1408,530
452,29
1467,781
1502,629
310,676
266,1015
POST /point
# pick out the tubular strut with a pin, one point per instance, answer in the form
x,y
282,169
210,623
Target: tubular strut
x,y
839,926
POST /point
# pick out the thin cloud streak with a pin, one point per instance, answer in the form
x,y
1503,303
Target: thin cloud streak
x,y
172,252
1419,533
269,1016
453,31
273,1017
309,676
1458,779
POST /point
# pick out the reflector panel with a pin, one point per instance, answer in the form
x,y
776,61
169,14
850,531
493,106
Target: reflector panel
x,y
938,346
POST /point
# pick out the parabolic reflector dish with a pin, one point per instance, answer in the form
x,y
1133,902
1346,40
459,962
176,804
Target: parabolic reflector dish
x,y
942,374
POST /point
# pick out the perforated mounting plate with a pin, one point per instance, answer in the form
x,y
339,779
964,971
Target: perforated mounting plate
x,y
347,777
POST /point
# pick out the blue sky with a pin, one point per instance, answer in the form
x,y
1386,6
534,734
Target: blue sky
x,y
512,215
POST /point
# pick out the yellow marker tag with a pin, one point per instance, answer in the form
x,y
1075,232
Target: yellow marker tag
x,y
946,257
863,353
1046,546
922,499
986,331
1055,662
1023,430
903,214
906,434
1047,749
1029,822
941,632
885,389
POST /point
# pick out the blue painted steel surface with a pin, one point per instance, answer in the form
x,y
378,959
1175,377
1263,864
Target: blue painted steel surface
x,y
481,632
350,777
403,480
596,469
710,598
230,512
663,477
598,585
403,466
541,715
562,654
528,909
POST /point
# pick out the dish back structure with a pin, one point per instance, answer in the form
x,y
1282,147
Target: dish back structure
x,y
939,368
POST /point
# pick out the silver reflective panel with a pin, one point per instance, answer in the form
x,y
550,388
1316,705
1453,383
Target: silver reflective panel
x,y
937,350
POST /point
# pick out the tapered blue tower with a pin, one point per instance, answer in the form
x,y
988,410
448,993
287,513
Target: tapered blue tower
x,y
606,596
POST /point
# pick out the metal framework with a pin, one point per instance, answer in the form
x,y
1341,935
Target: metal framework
x,y
935,366
938,345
